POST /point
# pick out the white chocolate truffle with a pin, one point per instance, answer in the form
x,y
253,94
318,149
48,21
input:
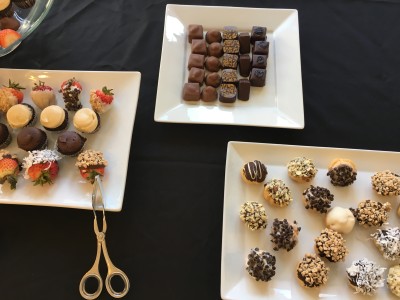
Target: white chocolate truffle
x,y
340,219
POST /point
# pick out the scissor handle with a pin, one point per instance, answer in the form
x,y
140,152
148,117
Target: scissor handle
x,y
82,286
119,273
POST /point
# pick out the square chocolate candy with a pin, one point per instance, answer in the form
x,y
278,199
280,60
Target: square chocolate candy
x,y
258,33
229,76
196,60
195,32
191,91
259,61
258,77
261,47
199,46
229,61
196,75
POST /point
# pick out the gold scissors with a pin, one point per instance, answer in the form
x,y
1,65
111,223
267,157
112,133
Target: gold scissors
x,y
97,201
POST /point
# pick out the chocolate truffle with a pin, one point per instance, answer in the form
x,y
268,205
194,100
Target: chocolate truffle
x,y
212,64
195,32
9,23
244,89
244,42
199,46
259,61
229,33
70,143
258,33
284,234
261,47
261,265
257,77
227,93
196,60
231,46
215,49
5,136
213,79
209,94
196,75
229,61
191,92
31,138
244,65
229,76
213,36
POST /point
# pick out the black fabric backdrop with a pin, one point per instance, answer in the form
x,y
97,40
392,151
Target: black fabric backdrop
x,y
168,235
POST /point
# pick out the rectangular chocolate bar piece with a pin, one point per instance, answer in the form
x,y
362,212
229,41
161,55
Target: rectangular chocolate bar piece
x,y
244,42
258,33
191,92
229,33
231,46
258,77
227,93
261,47
229,76
229,61
259,61
196,60
244,65
244,89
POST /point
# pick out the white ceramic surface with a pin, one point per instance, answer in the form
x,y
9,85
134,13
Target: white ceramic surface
x,y
237,239
278,104
113,139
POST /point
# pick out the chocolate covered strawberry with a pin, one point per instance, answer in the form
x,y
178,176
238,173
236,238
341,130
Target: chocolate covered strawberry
x,y
10,95
9,169
15,89
41,166
71,90
101,100
43,95
91,163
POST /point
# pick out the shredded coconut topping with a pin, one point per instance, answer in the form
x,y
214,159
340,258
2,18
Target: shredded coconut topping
x,y
90,158
388,242
302,167
253,214
365,276
39,157
386,183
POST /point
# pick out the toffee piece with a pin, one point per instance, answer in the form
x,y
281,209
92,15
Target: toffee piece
x,y
229,33
331,245
312,272
372,213
231,46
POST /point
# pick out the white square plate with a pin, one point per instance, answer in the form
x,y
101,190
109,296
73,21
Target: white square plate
x,y
113,139
278,104
237,239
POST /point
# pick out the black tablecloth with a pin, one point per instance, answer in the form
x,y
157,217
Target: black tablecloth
x,y
168,235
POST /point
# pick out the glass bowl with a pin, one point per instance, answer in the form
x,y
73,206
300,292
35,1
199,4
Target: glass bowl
x,y
30,19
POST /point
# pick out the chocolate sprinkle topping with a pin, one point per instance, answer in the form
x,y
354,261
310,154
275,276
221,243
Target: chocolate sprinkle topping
x,y
312,271
342,175
253,214
372,213
318,198
261,265
284,234
331,245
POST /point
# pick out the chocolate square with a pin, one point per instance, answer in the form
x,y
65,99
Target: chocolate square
x,y
259,61
191,92
229,76
244,41
199,46
196,60
261,47
230,33
244,89
244,65
196,75
195,32
258,77
231,46
258,33
229,61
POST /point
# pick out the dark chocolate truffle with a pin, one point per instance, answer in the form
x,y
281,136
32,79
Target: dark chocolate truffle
x,y
195,32
209,94
5,136
231,46
199,46
230,33
70,143
229,61
257,77
259,61
244,42
212,64
244,89
191,92
227,93
215,49
196,75
261,47
258,33
196,60
229,76
213,36
31,138
213,79
244,65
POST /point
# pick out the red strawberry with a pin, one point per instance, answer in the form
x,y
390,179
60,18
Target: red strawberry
x,y
41,87
105,95
15,88
9,169
70,83
8,36
90,173
43,173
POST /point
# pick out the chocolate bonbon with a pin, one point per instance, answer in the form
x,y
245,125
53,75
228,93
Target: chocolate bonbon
x,y
213,36
258,33
212,64
261,47
227,93
244,65
244,89
195,32
213,79
196,60
196,75
257,77
231,46
229,61
209,94
215,49
259,61
229,76
191,92
230,33
244,42
199,46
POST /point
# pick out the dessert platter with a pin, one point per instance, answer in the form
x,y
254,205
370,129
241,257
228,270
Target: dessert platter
x,y
287,208
260,86
62,128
